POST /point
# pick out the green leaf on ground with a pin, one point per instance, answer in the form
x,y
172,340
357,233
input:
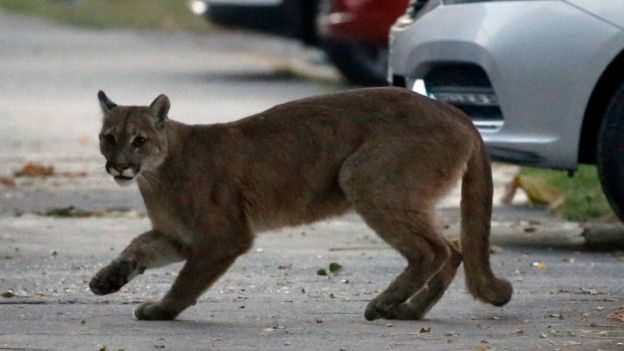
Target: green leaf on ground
x,y
335,267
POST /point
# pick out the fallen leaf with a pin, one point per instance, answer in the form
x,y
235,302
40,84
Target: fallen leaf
x,y
425,330
589,291
7,294
539,265
8,182
495,249
74,174
335,267
617,315
32,169
65,212
537,190
285,266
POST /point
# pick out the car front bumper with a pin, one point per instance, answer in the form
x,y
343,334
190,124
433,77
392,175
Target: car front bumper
x,y
542,60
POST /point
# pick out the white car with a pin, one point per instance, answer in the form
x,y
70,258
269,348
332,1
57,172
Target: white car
x,y
542,80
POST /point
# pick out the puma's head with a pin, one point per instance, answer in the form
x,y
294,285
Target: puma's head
x,y
133,138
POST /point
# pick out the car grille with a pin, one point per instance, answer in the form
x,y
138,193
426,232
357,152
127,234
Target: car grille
x,y
467,87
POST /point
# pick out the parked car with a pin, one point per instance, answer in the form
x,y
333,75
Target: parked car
x,y
353,33
288,18
542,80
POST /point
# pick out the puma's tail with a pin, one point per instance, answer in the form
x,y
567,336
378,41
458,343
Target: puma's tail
x,y
476,213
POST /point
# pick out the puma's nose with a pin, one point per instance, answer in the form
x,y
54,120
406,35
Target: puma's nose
x,y
121,167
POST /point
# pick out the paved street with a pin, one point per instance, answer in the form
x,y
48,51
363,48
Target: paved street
x,y
272,298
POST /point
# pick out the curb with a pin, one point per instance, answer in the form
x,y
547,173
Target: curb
x,y
604,236
568,235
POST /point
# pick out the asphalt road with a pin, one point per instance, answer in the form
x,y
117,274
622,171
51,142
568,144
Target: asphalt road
x,y
272,299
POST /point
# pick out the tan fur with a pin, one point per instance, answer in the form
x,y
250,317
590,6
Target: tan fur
x,y
387,153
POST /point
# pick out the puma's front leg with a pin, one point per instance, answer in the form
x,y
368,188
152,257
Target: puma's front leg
x,y
196,276
148,250
227,237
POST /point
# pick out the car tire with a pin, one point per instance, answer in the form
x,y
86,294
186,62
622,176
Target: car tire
x,y
360,63
610,152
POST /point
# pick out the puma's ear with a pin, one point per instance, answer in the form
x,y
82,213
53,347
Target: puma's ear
x,y
159,109
105,102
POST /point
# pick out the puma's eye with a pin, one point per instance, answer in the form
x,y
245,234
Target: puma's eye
x,y
138,141
108,139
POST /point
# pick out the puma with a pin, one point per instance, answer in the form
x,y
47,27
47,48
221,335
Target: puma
x,y
387,153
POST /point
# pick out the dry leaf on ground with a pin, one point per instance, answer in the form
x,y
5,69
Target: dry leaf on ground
x,y
7,294
7,181
74,174
33,169
495,249
617,315
537,190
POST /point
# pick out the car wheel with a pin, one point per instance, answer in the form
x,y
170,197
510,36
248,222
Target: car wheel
x,y
359,62
610,153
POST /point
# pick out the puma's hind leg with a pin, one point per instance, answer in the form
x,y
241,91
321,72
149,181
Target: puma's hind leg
x,y
148,250
418,305
426,254
394,187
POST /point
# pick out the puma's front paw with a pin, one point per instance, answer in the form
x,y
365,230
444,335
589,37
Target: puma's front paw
x,y
112,277
153,311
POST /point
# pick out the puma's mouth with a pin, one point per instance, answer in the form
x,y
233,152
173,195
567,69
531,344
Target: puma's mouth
x,y
123,180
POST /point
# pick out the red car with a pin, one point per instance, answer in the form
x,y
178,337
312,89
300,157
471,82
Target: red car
x,y
354,34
